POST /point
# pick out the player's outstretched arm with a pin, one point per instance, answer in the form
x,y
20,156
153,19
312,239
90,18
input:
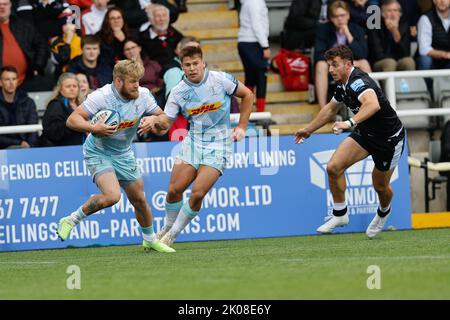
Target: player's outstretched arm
x,y
79,121
324,116
245,110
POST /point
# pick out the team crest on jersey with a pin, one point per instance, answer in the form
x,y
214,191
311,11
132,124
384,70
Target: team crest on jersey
x,y
357,84
127,124
210,107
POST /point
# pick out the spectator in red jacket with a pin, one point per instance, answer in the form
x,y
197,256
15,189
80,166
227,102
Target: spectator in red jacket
x,y
22,46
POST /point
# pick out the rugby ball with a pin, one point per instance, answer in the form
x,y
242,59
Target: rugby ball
x,y
112,117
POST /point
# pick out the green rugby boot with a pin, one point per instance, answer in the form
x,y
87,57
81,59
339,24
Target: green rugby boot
x,y
64,228
157,246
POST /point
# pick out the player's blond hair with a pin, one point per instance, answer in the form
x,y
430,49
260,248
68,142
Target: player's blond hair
x,y
131,68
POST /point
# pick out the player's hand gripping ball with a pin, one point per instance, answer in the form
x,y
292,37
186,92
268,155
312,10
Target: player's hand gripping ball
x,y
112,118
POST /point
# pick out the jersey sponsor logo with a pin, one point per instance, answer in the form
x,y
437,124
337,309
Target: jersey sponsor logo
x,y
357,85
210,107
127,124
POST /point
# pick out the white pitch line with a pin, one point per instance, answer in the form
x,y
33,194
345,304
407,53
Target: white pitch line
x,y
28,262
370,258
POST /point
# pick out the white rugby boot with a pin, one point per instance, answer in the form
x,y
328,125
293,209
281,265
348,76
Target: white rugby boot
x,y
334,222
377,225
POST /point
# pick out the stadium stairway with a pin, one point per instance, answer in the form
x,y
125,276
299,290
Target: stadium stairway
x,y
216,26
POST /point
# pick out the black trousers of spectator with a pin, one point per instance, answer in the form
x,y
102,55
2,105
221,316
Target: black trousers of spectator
x,y
293,39
255,69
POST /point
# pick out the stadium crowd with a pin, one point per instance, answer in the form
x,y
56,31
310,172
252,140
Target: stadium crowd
x,y
37,33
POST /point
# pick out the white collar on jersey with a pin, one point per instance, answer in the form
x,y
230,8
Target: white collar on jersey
x,y
205,77
345,85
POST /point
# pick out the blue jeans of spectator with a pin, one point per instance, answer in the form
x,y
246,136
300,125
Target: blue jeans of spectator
x,y
428,63
424,62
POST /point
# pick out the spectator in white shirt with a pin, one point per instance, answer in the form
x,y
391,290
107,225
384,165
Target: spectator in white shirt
x,y
434,37
92,18
253,47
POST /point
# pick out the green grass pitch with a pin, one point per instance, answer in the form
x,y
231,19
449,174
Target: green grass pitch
x,y
412,265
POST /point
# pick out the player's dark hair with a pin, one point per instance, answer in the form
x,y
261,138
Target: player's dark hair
x,y
344,52
90,39
8,69
191,51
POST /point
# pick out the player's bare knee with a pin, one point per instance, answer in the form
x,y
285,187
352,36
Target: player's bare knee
x,y
140,204
196,198
334,169
111,199
381,188
173,194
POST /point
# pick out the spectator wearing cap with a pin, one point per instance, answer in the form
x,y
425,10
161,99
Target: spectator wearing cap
x,y
67,46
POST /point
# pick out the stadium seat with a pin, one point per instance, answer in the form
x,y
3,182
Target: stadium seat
x,y
434,155
441,90
412,93
41,98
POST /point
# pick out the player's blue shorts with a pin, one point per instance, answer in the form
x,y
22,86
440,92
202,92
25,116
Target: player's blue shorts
x,y
212,155
124,166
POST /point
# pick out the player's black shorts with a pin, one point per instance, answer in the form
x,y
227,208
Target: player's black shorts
x,y
385,151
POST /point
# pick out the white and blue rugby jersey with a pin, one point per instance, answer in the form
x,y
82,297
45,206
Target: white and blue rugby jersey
x,y
206,105
131,112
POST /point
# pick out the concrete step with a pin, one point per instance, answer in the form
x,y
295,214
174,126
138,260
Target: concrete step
x,y
207,20
203,6
294,108
293,113
288,96
220,51
273,81
212,33
291,129
227,66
